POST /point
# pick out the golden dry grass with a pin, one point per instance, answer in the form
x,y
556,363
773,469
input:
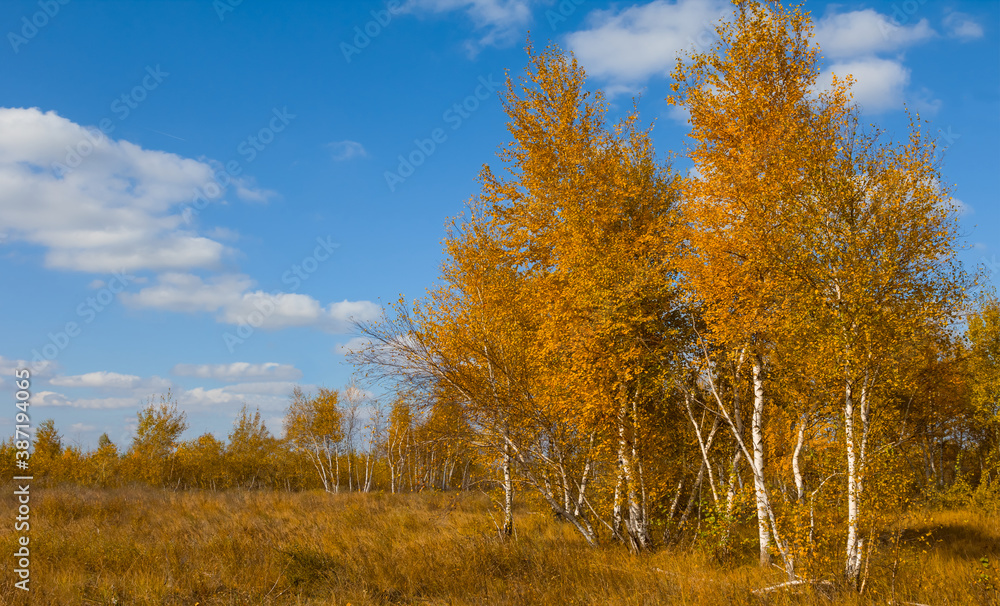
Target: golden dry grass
x,y
147,546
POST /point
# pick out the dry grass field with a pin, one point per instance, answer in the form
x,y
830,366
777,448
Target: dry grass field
x,y
148,546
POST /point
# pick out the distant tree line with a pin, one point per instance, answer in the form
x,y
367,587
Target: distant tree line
x,y
330,444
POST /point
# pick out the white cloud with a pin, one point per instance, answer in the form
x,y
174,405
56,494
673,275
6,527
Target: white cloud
x,y
100,205
629,46
115,390
679,113
239,371
41,369
223,233
48,398
100,380
864,32
276,310
962,26
247,192
498,22
879,84
613,90
855,39
924,101
345,150
51,398
342,314
96,204
266,388
266,396
231,300
199,396
134,392
961,208
645,40
82,427
189,293
277,425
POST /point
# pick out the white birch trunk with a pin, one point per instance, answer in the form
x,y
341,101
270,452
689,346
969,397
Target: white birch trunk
x,y
757,434
369,468
336,487
583,480
856,463
701,446
852,566
616,512
508,488
638,524
796,468
350,479
317,461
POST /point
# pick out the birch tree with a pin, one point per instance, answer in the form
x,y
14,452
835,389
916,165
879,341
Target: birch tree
x,y
250,454
756,132
984,359
314,425
589,214
886,275
160,425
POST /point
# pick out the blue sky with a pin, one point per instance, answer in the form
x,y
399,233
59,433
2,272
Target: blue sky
x,y
199,195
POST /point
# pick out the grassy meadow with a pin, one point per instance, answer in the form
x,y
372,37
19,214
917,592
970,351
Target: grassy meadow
x,y
155,546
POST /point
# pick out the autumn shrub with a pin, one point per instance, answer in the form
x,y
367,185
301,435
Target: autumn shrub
x,y
986,496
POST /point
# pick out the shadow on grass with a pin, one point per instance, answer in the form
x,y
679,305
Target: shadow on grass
x,y
962,541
